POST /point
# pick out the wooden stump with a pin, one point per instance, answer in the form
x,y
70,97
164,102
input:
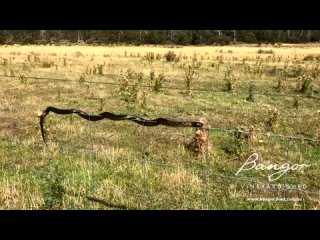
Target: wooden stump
x,y
199,143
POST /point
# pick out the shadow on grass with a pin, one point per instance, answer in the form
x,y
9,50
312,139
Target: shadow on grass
x,y
108,204
101,201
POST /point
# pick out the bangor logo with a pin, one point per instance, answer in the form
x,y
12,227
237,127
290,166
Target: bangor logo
x,y
251,163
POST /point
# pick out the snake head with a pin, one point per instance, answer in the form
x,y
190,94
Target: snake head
x,y
40,113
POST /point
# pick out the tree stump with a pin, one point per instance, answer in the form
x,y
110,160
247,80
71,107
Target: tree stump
x,y
200,142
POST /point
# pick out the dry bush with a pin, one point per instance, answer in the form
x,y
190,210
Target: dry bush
x,y
261,51
170,56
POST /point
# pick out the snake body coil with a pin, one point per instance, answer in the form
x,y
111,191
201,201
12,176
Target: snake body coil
x,y
115,117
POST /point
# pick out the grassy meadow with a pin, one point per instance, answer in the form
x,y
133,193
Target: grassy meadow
x,y
122,165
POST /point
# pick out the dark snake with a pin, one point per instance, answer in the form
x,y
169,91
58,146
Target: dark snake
x,y
115,117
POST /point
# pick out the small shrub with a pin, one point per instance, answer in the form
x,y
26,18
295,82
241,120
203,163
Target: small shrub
x,y
304,84
281,77
23,79
25,67
100,69
12,73
273,115
54,190
272,71
239,141
130,89
261,51
158,56
156,81
143,99
170,56
230,79
82,78
79,54
47,64
101,104
250,98
159,81
152,75
188,73
296,102
296,69
149,57
5,62
36,59
315,71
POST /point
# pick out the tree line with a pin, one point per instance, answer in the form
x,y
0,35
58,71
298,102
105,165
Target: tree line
x,y
137,37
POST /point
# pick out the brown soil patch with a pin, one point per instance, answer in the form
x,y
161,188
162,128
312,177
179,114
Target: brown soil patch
x,y
9,126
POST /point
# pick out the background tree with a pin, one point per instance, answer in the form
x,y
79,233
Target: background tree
x,y
181,37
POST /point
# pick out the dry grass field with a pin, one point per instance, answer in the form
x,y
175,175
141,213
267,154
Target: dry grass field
x,y
121,165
